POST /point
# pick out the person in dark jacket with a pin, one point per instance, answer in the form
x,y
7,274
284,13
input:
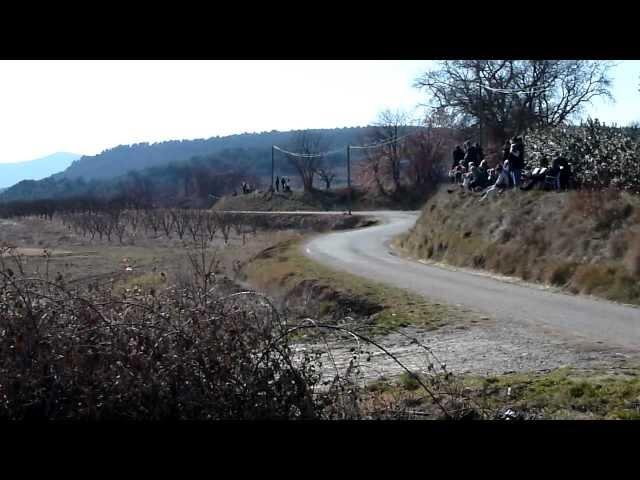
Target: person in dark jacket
x,y
277,184
516,161
506,149
483,174
561,169
470,156
458,156
480,152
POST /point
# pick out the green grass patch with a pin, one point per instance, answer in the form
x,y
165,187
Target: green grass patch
x,y
280,268
563,393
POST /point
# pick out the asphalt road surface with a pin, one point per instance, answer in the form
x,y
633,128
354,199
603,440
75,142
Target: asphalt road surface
x,y
366,252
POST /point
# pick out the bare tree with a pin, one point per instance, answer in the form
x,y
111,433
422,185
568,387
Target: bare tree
x,y
326,172
391,125
307,144
369,171
429,149
511,96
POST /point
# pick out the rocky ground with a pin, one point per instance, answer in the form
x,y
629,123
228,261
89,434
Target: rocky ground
x,y
488,348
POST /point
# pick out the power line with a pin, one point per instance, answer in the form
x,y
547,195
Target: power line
x,y
381,144
508,91
309,155
341,150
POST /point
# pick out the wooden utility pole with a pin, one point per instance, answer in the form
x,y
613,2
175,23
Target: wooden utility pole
x,y
272,166
349,175
480,112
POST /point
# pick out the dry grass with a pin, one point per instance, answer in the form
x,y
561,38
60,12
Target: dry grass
x,y
632,259
585,241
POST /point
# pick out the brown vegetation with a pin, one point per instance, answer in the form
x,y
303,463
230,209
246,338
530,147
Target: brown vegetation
x,y
584,241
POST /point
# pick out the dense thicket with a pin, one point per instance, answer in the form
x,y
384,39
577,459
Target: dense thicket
x,y
600,155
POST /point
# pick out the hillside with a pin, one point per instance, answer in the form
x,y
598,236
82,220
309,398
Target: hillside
x,y
580,241
187,183
12,173
123,158
157,169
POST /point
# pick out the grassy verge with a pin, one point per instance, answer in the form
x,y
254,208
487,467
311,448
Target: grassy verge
x,y
559,394
282,268
582,242
321,200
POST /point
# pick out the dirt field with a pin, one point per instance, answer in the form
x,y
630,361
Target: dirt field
x,y
79,259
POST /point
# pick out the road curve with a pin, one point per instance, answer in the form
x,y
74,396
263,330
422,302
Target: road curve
x,y
366,252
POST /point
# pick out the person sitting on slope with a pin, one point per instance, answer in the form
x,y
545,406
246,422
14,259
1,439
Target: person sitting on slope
x,y
501,183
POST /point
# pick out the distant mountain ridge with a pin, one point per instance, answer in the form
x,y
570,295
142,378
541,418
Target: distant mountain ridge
x,y
12,173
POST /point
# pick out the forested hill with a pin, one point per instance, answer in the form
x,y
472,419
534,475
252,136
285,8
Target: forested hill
x,y
123,158
187,169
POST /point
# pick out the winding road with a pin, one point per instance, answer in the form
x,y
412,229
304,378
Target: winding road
x,y
366,252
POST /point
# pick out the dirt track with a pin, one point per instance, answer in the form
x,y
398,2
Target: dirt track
x,y
527,328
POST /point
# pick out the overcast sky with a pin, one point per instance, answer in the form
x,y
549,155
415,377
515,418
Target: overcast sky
x,y
87,106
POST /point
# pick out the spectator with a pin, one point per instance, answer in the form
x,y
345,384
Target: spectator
x,y
516,162
470,156
483,174
564,176
506,167
538,175
480,152
478,179
458,156
459,172
277,184
492,176
501,183
506,149
469,177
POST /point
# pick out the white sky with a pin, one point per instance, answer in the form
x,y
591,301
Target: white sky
x,y
87,106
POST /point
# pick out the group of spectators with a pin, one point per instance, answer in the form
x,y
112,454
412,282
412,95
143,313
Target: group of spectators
x,y
283,183
246,188
471,171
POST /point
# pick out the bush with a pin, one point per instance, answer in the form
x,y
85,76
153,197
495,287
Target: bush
x,y
632,260
174,354
600,155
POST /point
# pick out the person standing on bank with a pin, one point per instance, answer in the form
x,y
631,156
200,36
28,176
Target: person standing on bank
x,y
458,156
471,155
516,161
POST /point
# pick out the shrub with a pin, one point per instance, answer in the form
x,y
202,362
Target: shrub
x,y
175,354
618,245
632,260
600,155
409,381
562,273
